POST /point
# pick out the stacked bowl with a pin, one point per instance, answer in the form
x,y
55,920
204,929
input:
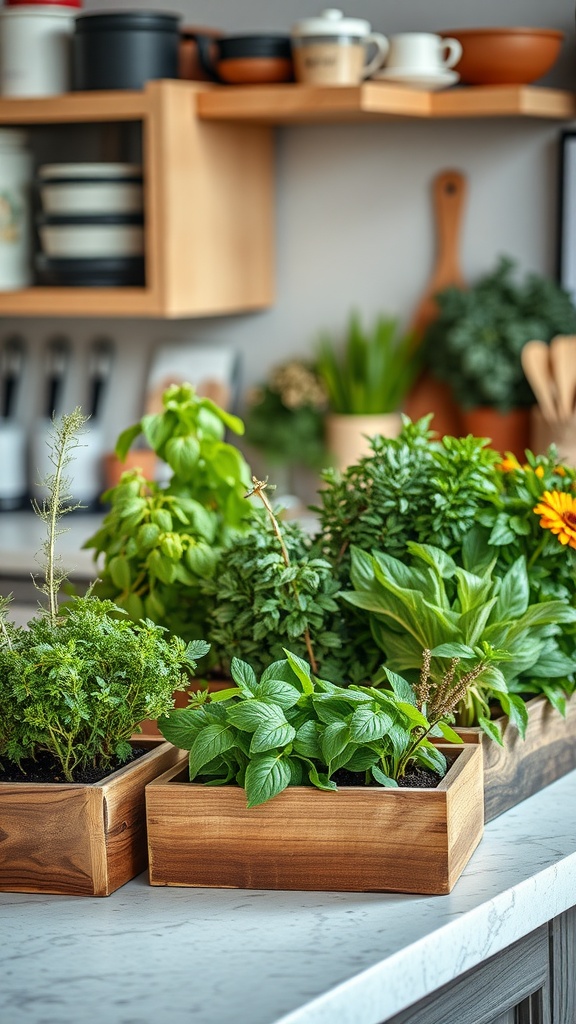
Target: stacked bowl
x,y
91,224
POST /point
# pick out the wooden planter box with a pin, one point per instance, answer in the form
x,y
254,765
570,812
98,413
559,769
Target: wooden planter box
x,y
77,839
522,767
357,839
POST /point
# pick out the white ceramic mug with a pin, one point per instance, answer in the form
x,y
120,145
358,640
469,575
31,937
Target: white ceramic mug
x,y
422,51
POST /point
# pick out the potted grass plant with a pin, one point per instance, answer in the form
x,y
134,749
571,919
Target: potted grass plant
x,y
366,379
74,684
292,782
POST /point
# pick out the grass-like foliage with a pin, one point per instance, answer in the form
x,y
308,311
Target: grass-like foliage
x,y
80,678
290,728
372,372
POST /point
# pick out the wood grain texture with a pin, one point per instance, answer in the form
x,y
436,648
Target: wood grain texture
x,y
373,100
498,991
356,839
563,967
81,840
521,768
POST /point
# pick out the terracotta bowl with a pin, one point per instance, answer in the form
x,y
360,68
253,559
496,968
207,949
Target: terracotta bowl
x,y
505,56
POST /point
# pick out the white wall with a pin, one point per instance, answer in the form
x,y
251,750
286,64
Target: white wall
x,y
354,216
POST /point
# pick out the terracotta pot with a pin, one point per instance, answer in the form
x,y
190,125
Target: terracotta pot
x,y
506,55
189,66
347,435
508,431
140,458
431,395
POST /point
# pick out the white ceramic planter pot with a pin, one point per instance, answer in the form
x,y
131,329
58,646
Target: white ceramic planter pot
x,y
347,436
35,50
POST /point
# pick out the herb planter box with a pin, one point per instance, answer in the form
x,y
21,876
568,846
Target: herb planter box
x,y
358,839
522,767
79,839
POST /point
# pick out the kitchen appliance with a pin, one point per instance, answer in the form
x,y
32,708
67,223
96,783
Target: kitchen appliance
x,y
12,432
124,49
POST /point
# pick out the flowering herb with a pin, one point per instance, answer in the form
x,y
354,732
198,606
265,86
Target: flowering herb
x,y
285,416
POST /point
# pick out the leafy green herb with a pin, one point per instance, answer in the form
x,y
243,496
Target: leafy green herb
x,y
78,681
372,373
291,728
475,342
463,612
160,542
285,416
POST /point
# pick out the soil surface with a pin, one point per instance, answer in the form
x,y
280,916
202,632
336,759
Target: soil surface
x,y
416,778
45,769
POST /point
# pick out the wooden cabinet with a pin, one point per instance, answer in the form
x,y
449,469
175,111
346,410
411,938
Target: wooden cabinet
x,y
209,191
208,207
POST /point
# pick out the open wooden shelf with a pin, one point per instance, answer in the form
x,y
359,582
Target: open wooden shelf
x,y
208,199
294,104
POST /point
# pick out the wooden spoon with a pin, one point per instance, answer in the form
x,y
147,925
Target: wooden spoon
x,y
536,364
563,363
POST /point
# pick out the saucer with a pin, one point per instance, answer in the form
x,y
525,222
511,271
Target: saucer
x,y
418,79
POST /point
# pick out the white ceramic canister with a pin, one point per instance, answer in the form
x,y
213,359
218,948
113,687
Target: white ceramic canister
x,y
36,49
16,173
331,49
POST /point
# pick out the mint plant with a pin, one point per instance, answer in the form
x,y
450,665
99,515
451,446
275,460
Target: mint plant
x,y
80,678
291,728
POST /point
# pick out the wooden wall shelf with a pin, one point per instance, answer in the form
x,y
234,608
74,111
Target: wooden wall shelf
x,y
209,179
300,104
208,199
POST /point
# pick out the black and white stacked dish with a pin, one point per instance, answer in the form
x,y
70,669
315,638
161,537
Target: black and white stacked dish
x,y
91,226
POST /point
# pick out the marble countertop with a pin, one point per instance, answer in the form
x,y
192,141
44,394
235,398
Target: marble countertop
x,y
199,956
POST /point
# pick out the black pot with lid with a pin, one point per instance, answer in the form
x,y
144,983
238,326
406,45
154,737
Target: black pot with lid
x,y
124,49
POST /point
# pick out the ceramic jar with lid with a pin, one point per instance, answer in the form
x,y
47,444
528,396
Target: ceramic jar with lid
x,y
331,49
16,173
124,49
35,45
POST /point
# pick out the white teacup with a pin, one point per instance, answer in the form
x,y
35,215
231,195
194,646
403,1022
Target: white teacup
x,y
422,51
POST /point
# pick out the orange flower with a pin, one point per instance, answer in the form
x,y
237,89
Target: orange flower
x,y
509,464
558,512
539,471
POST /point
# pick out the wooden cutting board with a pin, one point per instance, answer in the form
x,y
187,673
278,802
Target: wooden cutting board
x,y
429,395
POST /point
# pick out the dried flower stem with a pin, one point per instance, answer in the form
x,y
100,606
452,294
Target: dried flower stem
x,y
258,489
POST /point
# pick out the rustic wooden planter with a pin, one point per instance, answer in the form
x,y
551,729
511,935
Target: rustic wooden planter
x,y
76,839
522,767
358,839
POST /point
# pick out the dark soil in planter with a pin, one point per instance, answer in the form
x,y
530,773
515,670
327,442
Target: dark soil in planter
x,y
416,778
45,769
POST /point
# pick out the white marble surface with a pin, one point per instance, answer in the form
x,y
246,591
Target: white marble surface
x,y
198,956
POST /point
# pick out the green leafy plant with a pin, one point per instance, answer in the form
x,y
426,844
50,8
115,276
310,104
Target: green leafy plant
x,y
372,372
474,345
290,728
268,595
463,612
160,542
80,678
285,416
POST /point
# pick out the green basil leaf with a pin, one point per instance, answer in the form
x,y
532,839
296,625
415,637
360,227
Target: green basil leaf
x,y
269,736
243,675
266,776
213,740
